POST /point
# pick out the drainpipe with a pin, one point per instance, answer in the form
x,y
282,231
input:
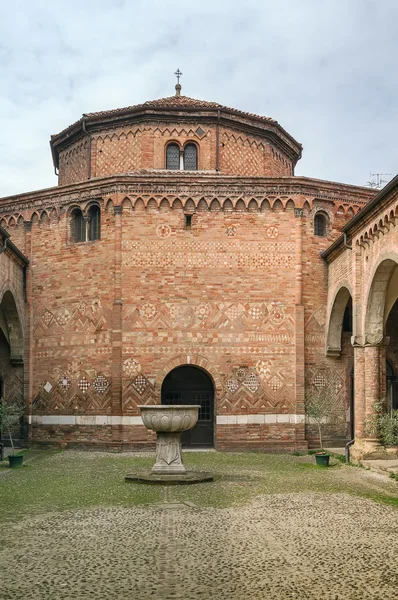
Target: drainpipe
x,y
218,141
89,147
347,450
4,247
345,242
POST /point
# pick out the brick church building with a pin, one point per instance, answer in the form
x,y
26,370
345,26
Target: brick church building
x,y
181,260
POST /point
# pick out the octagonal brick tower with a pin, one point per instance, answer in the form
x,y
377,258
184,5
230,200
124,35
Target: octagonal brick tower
x,y
178,260
228,141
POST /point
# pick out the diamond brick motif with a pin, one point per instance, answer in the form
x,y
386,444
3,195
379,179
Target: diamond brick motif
x,y
140,383
64,383
319,381
275,383
47,317
241,373
63,316
231,231
232,385
234,311
100,384
255,313
203,310
84,384
252,383
48,387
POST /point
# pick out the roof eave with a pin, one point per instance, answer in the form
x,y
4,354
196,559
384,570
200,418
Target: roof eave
x,y
75,130
335,247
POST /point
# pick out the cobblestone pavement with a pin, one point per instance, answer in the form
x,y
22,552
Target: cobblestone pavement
x,y
302,546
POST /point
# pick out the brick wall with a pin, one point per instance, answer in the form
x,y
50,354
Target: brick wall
x,y
109,319
73,163
131,148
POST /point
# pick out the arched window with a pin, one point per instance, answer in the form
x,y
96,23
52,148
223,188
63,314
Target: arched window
x,y
173,157
190,157
320,225
78,226
94,232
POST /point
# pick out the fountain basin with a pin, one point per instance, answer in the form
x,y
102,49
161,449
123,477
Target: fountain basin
x,y
169,421
169,418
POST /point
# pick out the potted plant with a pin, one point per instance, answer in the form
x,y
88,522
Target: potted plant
x,y
10,416
318,408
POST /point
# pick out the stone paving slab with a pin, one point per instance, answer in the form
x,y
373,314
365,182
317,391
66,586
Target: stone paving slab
x,y
281,546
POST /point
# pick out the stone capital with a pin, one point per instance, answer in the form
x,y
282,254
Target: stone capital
x,y
117,210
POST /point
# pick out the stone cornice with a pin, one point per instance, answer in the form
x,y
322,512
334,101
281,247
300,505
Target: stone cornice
x,y
185,185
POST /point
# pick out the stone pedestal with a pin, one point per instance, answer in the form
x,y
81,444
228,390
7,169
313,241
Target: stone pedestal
x,y
168,455
169,422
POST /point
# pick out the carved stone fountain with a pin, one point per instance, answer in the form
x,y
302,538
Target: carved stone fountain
x,y
169,421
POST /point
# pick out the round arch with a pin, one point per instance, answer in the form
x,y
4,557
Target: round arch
x,y
195,361
14,327
335,323
376,299
188,384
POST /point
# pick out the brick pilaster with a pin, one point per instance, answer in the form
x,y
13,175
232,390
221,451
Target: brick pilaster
x,y
28,346
117,327
299,326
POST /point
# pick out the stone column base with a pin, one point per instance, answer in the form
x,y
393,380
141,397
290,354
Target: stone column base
x,y
368,449
168,455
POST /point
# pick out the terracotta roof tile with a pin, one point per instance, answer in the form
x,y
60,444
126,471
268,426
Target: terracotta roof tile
x,y
176,102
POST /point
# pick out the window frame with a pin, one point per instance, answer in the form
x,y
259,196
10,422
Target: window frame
x,y
194,145
169,145
316,224
78,232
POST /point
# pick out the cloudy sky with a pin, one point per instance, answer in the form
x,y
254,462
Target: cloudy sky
x,y
325,69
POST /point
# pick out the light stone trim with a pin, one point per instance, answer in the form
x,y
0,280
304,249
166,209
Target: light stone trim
x,y
84,420
260,419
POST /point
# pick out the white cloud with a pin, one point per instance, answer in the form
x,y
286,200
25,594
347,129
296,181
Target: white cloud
x,y
324,70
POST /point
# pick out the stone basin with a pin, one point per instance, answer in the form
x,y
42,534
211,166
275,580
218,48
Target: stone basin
x,y
169,421
169,418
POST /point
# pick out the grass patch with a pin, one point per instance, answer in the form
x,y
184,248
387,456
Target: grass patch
x,y
54,481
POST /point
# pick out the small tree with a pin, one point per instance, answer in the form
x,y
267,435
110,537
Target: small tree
x,y
318,407
10,416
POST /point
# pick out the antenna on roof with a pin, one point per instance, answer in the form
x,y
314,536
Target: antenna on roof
x,y
178,86
378,180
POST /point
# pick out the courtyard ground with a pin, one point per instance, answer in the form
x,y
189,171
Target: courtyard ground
x,y
269,526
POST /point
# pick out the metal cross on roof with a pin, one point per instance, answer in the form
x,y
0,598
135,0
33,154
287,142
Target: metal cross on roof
x,y
178,74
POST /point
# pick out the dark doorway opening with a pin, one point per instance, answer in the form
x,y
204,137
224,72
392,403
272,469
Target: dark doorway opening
x,y
190,385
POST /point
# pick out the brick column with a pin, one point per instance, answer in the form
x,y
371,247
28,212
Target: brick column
x,y
359,392
372,379
117,430
299,329
28,345
368,390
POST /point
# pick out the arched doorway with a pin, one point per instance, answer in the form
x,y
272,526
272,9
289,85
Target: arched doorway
x,y
191,385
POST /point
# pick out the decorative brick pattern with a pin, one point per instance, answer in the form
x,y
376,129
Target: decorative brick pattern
x,y
243,294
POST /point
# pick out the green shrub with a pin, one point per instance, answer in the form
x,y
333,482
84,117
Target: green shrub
x,y
383,425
